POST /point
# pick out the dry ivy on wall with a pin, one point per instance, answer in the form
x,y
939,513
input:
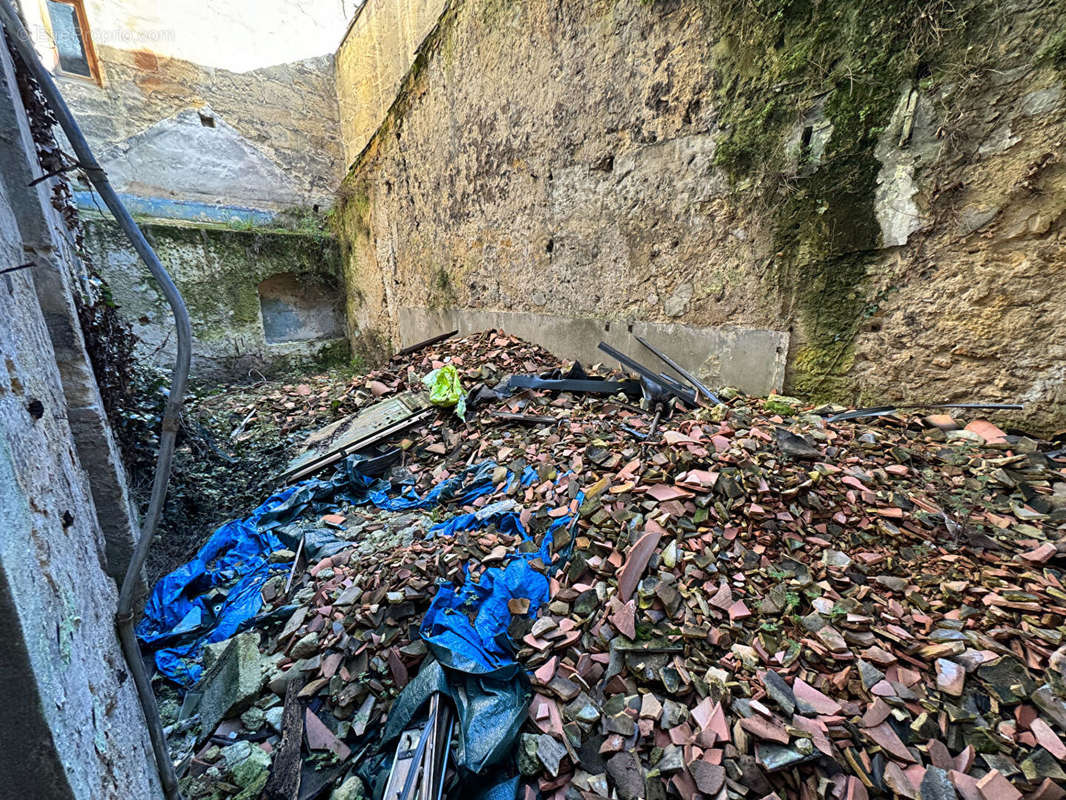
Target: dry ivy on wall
x,y
109,339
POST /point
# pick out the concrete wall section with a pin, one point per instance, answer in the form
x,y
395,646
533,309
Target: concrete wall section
x,y
295,309
70,724
751,360
219,271
59,274
184,159
285,113
373,59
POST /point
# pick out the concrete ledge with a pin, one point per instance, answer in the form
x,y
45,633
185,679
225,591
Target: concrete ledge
x,y
751,359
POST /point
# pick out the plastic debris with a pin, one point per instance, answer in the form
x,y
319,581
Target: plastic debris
x,y
445,389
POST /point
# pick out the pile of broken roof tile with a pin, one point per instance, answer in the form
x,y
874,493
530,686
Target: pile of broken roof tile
x,y
755,602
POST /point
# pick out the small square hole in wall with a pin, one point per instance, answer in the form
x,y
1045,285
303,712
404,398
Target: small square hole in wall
x,y
207,120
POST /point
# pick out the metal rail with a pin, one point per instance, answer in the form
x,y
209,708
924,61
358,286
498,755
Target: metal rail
x,y
680,370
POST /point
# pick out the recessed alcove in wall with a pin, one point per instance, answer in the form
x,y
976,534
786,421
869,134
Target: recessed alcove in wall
x,y
300,307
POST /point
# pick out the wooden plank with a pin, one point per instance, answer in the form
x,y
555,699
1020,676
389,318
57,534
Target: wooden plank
x,y
331,443
355,447
424,343
284,780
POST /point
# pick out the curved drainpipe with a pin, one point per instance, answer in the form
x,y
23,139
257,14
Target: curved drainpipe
x,y
125,617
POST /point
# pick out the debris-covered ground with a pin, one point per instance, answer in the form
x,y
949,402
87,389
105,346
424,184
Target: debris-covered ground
x,y
752,601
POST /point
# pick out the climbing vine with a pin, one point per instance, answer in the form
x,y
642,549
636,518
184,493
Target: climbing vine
x,y
109,340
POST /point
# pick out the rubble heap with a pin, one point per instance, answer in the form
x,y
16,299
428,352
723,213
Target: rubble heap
x,y
752,602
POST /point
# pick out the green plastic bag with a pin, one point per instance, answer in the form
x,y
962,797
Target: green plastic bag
x,y
445,390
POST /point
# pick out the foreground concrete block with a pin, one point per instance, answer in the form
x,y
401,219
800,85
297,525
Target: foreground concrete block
x,y
232,683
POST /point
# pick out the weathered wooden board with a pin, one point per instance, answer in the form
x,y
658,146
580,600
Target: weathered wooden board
x,y
333,442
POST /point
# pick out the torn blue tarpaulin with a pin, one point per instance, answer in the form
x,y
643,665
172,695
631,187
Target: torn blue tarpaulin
x,y
483,645
179,609
473,662
179,616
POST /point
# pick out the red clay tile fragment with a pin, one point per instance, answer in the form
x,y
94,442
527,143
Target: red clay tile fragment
x,y
662,492
718,724
623,617
397,668
939,754
685,786
636,563
856,791
738,611
1041,554
762,728
822,704
965,758
1048,790
545,715
320,737
996,786
709,778
987,431
898,781
1048,739
950,677
701,714
886,738
546,671
817,730
964,785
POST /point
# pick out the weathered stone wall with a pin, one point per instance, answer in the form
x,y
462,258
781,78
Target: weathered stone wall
x,y
219,272
373,59
260,73
71,727
883,180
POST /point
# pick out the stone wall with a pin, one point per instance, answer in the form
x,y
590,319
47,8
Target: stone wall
x,y
220,272
230,103
71,727
882,180
373,59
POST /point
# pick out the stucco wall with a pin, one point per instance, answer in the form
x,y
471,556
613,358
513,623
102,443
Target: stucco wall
x,y
373,59
70,723
883,183
261,71
219,271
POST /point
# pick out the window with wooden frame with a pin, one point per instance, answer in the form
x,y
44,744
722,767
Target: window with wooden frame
x,y
72,40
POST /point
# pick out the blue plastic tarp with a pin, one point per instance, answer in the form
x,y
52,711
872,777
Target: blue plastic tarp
x,y
179,610
179,619
465,628
474,661
483,645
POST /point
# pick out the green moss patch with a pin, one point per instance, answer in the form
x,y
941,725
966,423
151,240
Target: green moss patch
x,y
776,62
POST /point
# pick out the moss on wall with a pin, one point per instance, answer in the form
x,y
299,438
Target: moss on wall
x,y
218,270
225,296
778,61
352,222
1054,52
